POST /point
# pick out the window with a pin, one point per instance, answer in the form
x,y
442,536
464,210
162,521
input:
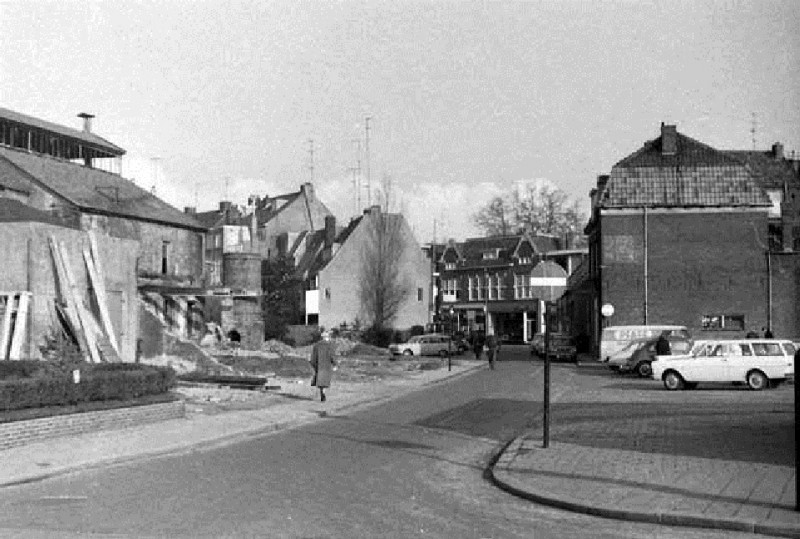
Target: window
x,y
745,349
449,265
767,349
490,254
475,290
450,289
522,288
327,293
723,322
524,260
789,347
164,257
419,294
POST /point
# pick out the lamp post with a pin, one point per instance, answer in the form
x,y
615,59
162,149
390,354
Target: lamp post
x,y
450,343
546,397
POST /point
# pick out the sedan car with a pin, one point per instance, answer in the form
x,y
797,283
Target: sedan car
x,y
431,344
562,346
759,363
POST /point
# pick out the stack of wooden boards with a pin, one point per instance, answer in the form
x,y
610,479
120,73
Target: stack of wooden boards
x,y
96,339
14,318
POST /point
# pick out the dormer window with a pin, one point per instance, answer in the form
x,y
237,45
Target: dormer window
x,y
449,265
491,254
524,260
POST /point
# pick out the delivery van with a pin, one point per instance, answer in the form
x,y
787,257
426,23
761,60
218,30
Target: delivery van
x,y
616,338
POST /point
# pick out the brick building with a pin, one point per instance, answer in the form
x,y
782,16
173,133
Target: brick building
x,y
499,283
73,177
680,233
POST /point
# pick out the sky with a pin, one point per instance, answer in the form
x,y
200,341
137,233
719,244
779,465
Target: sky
x,y
220,100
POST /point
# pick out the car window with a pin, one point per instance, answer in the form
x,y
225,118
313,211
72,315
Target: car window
x,y
718,350
767,349
745,349
789,347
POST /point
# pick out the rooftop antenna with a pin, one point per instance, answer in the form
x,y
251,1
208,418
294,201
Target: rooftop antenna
x,y
369,182
227,186
311,156
753,129
155,161
357,178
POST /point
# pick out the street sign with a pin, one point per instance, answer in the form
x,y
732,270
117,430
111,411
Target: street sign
x,y
607,310
548,281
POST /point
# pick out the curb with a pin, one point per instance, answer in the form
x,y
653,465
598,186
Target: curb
x,y
669,519
213,443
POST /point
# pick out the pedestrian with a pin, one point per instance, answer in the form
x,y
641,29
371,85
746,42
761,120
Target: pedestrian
x,y
477,344
492,348
662,345
323,361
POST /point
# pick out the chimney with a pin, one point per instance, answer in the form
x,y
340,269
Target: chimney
x,y
777,150
308,189
373,210
669,139
330,230
87,121
191,210
225,206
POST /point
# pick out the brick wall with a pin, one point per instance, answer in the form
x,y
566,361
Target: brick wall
x,y
21,433
786,295
699,263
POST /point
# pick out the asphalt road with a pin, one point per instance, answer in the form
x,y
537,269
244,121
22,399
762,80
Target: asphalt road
x,y
413,467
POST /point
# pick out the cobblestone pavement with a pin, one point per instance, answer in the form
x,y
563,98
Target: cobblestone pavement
x,y
623,447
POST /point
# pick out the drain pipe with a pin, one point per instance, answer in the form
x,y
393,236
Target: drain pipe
x,y
644,215
769,290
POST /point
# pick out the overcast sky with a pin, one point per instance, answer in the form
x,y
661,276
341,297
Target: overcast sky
x,y
220,99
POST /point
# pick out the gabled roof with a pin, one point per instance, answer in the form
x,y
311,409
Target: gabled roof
x,y
696,175
769,171
89,138
95,191
14,211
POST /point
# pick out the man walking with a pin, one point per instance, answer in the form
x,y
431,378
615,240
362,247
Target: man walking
x,y
492,347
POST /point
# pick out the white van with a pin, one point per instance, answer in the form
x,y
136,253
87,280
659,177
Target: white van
x,y
616,338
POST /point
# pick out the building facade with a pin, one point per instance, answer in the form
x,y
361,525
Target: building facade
x,y
682,233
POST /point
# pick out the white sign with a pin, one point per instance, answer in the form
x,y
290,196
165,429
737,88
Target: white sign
x,y
607,310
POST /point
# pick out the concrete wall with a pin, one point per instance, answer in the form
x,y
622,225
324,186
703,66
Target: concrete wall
x,y
27,265
699,263
185,254
339,299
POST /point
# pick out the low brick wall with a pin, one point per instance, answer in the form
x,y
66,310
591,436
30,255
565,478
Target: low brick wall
x,y
20,433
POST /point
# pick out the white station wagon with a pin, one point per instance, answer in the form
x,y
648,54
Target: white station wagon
x,y
759,363
432,344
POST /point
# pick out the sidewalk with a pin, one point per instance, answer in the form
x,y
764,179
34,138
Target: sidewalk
x,y
650,486
293,405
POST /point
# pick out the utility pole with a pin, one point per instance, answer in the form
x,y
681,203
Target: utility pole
x,y
369,180
753,129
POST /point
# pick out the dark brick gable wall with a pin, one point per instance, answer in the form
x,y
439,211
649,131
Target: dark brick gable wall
x,y
699,263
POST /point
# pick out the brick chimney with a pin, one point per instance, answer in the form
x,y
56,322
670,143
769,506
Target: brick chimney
x,y
330,231
225,205
308,190
669,139
87,121
777,150
191,210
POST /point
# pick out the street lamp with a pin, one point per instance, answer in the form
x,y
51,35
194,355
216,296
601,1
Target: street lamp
x,y
450,342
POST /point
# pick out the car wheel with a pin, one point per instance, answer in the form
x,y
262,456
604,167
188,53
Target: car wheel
x,y
408,353
673,381
644,369
757,380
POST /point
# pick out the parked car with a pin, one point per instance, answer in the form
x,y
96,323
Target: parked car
x,y
644,353
614,339
759,363
431,344
562,346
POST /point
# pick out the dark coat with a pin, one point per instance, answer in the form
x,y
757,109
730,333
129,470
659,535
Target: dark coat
x,y
662,346
322,361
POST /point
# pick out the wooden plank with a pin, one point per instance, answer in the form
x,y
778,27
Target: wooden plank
x,y
77,301
6,334
68,308
100,295
20,325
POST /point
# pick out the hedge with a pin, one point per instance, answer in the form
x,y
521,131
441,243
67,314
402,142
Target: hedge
x,y
33,386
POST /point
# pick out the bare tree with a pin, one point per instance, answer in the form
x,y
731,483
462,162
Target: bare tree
x,y
542,208
496,218
382,289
